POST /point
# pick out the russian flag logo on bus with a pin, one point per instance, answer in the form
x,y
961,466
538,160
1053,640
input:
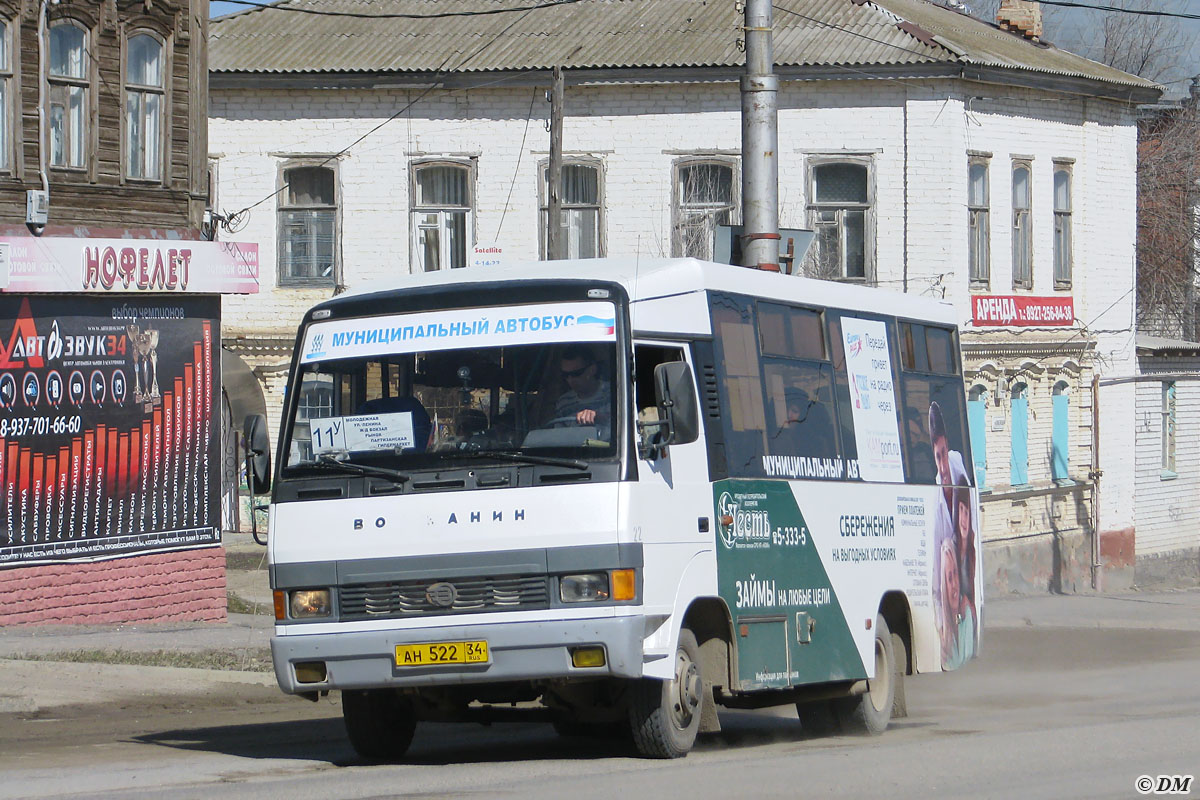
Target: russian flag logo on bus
x,y
610,324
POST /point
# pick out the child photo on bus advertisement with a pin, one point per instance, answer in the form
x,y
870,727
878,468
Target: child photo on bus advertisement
x,y
955,529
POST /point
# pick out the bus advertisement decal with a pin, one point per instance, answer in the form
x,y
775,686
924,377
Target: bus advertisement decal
x,y
789,623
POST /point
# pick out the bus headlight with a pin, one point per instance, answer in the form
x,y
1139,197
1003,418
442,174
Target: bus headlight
x,y
587,588
309,603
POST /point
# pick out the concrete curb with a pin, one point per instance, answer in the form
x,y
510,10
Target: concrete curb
x,y
31,686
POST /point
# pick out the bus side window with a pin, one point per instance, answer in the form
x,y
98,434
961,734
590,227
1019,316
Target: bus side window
x,y
739,374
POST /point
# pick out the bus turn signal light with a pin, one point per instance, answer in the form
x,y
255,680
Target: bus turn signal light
x,y
624,584
280,605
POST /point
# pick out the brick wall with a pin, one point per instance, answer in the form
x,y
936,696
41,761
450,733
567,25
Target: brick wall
x,y
1168,502
179,586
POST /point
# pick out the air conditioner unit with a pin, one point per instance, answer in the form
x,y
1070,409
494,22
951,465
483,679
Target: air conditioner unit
x,y
37,207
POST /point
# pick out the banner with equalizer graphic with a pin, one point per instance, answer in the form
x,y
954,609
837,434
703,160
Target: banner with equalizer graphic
x,y
108,426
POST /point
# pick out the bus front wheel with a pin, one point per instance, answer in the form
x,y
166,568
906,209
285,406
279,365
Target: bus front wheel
x,y
871,711
664,716
379,723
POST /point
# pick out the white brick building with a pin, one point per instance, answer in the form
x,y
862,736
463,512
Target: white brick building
x,y
903,127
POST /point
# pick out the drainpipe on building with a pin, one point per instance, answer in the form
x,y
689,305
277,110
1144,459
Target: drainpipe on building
x,y
1094,476
760,143
43,11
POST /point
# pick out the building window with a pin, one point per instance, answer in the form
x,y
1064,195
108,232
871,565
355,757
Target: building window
x,y
6,92
1060,434
704,198
69,86
1168,429
442,216
580,192
1019,453
1062,226
308,212
840,213
977,429
1022,225
144,99
978,223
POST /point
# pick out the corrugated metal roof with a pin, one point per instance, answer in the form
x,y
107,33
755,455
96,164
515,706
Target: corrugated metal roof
x,y
356,36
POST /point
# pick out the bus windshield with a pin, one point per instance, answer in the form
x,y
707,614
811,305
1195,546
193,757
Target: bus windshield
x,y
426,408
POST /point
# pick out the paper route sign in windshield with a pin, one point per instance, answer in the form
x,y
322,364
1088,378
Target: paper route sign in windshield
x,y
365,432
460,328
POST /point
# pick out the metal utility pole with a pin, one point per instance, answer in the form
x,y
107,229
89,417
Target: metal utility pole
x,y
760,143
554,237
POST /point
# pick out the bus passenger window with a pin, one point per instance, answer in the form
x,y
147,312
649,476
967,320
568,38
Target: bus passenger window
x,y
801,397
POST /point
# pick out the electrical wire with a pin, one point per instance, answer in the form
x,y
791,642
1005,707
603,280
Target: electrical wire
x,y
1144,12
517,170
359,15
440,72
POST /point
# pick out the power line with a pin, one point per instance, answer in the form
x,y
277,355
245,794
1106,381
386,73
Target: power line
x,y
316,12
439,72
1144,12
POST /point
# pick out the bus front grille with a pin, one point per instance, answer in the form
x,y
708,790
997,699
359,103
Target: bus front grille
x,y
470,595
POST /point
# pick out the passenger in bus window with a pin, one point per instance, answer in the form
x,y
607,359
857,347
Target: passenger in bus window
x,y
588,397
807,429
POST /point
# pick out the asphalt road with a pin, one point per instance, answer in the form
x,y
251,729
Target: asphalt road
x,y
1080,702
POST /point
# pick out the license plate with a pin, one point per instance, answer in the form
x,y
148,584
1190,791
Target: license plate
x,y
434,653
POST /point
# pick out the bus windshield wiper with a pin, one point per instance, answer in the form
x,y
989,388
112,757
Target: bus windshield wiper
x,y
511,455
331,460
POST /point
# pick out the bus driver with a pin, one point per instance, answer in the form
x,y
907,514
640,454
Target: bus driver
x,y
588,396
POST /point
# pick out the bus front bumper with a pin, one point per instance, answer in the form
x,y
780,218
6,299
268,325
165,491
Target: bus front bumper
x,y
517,651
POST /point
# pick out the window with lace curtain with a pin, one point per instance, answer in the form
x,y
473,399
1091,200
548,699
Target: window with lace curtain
x,y
705,197
442,215
582,209
69,85
144,101
840,211
308,219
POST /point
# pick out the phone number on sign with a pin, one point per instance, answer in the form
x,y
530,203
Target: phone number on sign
x,y
39,426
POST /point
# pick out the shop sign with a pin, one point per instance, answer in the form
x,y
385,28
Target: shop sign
x,y
173,266
1022,310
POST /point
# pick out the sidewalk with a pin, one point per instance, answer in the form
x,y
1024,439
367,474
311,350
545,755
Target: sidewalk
x,y
1172,610
31,685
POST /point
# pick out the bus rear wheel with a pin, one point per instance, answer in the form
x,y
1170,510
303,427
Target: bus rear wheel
x,y
664,716
871,711
379,723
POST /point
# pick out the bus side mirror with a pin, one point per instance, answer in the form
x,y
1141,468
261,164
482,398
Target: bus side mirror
x,y
258,455
678,411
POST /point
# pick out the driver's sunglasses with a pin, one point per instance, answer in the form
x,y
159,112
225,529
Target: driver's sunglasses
x,y
575,373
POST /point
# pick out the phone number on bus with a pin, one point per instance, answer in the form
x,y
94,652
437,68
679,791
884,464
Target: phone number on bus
x,y
39,426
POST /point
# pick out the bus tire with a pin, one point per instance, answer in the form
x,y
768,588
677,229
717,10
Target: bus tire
x,y
870,712
664,716
379,723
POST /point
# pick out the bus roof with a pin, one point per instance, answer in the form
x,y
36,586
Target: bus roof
x,y
649,279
